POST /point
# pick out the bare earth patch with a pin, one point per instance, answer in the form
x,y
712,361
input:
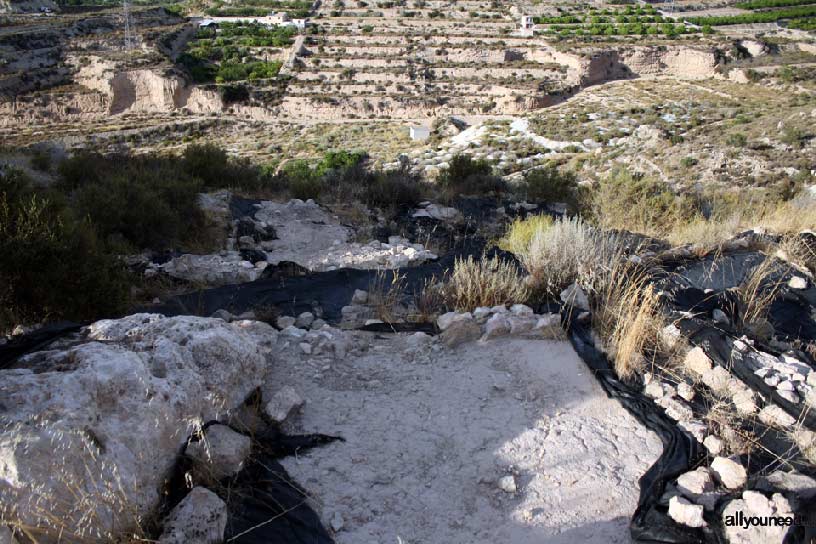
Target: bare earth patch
x,y
432,434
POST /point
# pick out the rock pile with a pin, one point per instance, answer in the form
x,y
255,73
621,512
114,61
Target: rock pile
x,y
90,433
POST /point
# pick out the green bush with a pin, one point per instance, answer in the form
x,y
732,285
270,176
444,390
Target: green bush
x,y
639,204
736,139
549,185
53,266
393,190
466,176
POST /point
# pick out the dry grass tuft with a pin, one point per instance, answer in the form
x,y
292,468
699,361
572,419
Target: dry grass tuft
x,y
385,295
627,315
483,282
520,233
758,291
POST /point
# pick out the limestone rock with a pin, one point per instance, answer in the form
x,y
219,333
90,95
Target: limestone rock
x,y
686,513
697,361
575,296
304,320
460,332
497,325
200,518
713,444
282,404
774,415
795,483
755,504
729,473
137,385
507,484
221,453
285,321
446,320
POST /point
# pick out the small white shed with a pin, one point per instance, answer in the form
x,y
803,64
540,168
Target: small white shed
x,y
419,133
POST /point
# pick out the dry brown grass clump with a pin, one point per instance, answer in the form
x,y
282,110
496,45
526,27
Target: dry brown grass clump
x,y
627,315
385,295
758,291
483,282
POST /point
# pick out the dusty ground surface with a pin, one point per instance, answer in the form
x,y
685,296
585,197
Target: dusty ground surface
x,y
430,431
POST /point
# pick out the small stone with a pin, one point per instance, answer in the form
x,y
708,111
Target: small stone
x,y
222,314
575,296
713,444
795,483
446,320
481,313
337,522
521,325
720,317
676,409
305,320
755,504
521,310
282,404
774,415
717,379
786,385
685,513
507,484
359,297
685,391
789,396
305,347
695,482
697,361
285,321
200,518
670,335
497,325
797,282
461,332
729,473
744,401
654,390
318,324
811,379
772,381
221,453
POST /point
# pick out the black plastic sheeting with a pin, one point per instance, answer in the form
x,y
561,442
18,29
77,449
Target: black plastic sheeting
x,y
650,522
324,293
34,341
264,503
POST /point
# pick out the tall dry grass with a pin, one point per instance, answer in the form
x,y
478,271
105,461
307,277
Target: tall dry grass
x,y
627,315
483,282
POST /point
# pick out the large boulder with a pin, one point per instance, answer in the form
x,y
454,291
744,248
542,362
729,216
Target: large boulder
x,y
89,433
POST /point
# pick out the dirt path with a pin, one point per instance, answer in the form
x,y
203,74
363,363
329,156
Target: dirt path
x,y
430,432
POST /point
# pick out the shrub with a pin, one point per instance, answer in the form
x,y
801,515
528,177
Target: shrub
x,y
301,180
393,190
640,204
41,160
520,233
53,266
216,170
736,139
466,176
549,185
483,282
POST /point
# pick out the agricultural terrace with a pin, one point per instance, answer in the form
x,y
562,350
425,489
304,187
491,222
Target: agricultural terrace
x,y
237,52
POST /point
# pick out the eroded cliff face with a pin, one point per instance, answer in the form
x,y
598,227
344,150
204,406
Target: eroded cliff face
x,y
594,66
107,90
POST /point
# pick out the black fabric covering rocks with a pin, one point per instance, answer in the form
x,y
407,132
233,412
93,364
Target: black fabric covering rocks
x,y
264,504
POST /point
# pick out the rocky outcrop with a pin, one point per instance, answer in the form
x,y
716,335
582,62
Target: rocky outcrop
x,y
89,433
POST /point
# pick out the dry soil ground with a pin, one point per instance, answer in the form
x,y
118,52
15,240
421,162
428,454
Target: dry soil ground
x,y
430,431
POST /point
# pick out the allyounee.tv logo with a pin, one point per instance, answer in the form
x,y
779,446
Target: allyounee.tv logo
x,y
739,519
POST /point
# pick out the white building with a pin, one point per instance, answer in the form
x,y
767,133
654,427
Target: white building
x,y
527,22
419,133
